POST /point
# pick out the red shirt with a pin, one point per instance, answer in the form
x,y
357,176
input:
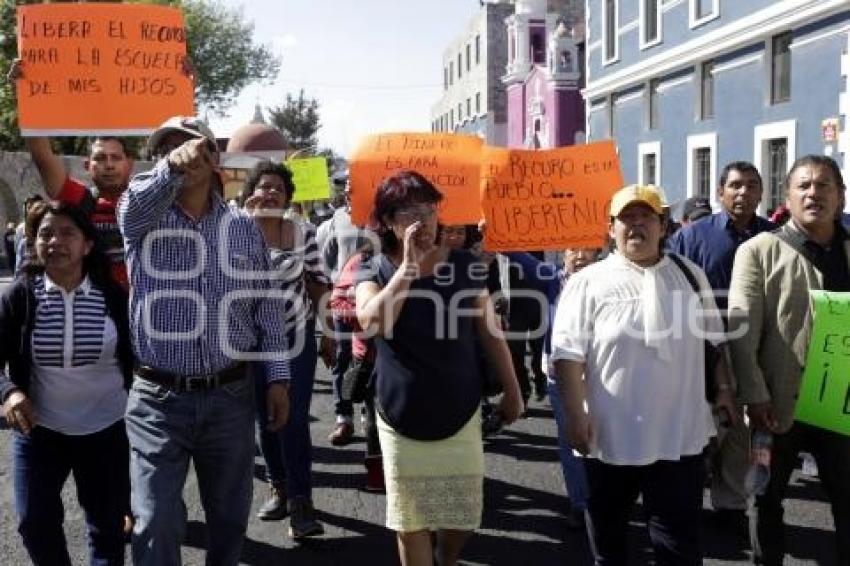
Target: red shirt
x,y
102,213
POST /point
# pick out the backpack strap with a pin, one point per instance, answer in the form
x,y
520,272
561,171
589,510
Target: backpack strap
x,y
687,272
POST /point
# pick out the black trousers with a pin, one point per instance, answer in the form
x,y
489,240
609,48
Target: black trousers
x,y
672,500
832,453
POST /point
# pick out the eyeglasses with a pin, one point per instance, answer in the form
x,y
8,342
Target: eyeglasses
x,y
415,214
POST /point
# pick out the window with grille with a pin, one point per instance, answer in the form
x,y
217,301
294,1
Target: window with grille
x,y
650,164
780,76
702,172
777,167
706,102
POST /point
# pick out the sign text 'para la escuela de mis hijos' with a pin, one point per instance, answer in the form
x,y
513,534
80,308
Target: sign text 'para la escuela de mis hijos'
x,y
101,68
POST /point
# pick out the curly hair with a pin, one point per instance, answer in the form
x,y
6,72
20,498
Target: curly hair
x,y
267,167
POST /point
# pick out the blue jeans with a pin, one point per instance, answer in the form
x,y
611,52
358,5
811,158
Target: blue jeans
x,y
289,453
342,335
571,465
214,428
43,460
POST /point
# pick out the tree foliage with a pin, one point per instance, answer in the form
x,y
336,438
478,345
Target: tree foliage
x,y
220,44
298,119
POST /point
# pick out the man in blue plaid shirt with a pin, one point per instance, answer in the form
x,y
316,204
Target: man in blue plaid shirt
x,y
201,309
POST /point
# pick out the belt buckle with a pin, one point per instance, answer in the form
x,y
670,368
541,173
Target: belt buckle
x,y
196,383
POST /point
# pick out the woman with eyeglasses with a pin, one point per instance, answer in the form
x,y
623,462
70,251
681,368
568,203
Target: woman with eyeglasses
x,y
64,337
425,307
299,272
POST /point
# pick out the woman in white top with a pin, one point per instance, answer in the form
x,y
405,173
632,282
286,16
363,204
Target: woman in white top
x,y
65,338
628,347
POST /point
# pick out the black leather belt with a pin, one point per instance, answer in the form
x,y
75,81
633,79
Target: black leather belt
x,y
188,383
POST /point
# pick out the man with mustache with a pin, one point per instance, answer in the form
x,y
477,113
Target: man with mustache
x,y
771,318
628,347
711,244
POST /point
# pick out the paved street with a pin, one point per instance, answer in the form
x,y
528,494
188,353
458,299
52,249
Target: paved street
x,y
522,522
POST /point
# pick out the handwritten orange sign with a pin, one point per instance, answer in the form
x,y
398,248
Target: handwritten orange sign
x,y
451,162
101,68
548,199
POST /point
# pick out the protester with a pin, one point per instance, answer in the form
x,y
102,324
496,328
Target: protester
x,y
9,245
524,321
711,244
64,336
357,380
633,384
24,247
298,270
338,239
428,387
549,280
770,313
694,209
190,253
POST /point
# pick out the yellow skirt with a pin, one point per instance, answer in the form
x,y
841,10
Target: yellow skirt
x,y
435,484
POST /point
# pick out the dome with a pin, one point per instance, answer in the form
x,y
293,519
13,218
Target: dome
x,y
256,137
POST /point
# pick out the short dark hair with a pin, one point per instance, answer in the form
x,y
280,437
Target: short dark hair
x,y
121,141
267,167
819,160
740,167
399,190
95,264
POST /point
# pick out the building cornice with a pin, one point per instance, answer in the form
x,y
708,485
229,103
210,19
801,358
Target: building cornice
x,y
740,33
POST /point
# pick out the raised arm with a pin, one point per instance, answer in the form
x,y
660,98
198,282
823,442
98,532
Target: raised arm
x,y
50,166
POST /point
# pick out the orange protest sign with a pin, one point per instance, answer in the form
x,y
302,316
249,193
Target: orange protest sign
x,y
548,199
101,68
451,162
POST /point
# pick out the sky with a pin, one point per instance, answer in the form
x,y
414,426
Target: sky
x,y
373,65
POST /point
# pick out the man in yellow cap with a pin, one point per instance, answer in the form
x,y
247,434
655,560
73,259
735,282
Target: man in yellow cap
x,y
628,346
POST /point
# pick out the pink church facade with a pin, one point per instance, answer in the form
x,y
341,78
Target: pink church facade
x,y
543,79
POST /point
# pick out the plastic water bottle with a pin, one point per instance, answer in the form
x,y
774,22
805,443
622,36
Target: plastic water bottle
x,y
758,476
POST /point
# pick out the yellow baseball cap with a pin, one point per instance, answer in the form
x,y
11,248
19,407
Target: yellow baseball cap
x,y
649,195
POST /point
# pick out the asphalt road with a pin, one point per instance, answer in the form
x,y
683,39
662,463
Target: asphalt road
x,y
522,525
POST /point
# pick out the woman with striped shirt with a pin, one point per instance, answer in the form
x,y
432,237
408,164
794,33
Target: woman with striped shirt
x,y
65,339
300,274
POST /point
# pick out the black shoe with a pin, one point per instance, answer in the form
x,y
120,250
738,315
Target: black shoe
x,y
302,520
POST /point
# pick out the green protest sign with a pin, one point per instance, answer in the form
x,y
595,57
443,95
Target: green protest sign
x,y
310,176
824,399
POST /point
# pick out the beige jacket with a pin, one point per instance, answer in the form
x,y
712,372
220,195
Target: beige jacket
x,y
770,321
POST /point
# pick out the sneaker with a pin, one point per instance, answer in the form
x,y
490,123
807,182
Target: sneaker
x,y
375,474
342,434
302,519
274,509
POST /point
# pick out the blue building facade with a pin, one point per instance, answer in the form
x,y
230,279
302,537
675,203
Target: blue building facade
x,y
686,86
